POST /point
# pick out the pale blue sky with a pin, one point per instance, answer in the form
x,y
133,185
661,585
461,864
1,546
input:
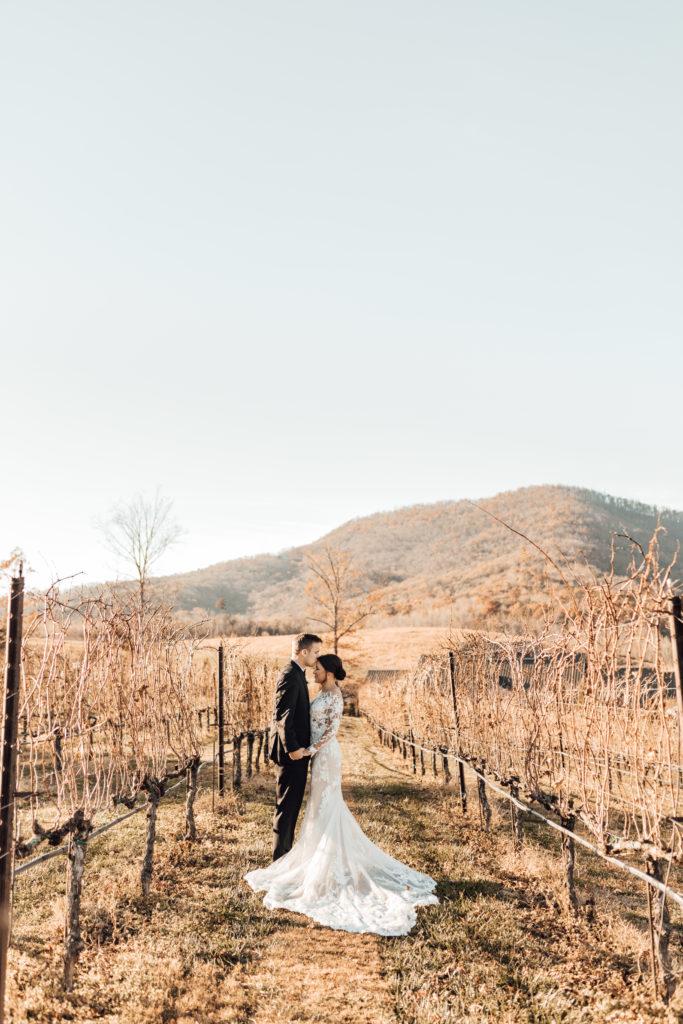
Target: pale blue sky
x,y
299,262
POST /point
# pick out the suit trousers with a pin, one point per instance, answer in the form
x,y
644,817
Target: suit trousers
x,y
290,784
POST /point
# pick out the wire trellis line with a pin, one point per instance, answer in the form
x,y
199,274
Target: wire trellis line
x,y
615,861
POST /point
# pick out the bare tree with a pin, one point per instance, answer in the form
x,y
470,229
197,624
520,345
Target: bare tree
x,y
335,593
139,532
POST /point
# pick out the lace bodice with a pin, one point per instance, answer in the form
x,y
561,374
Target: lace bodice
x,y
326,714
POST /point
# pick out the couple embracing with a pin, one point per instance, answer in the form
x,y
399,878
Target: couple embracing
x,y
333,873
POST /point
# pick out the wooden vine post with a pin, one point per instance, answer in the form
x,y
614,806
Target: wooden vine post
x,y
213,778
456,719
413,751
15,614
516,814
237,760
221,722
250,753
154,790
660,931
676,628
192,785
568,821
484,805
445,766
73,941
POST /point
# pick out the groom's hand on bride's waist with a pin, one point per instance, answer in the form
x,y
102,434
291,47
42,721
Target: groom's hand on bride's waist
x,y
296,755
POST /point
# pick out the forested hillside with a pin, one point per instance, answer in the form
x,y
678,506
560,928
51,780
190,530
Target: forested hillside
x,y
436,563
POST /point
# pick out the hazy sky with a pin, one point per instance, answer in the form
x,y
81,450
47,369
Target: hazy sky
x,y
295,262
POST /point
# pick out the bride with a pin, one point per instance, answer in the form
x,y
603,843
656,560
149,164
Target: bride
x,y
334,873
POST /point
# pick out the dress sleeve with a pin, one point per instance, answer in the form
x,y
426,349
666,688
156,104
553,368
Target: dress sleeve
x,y
331,718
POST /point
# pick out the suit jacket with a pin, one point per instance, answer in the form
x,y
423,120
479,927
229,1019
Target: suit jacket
x,y
291,726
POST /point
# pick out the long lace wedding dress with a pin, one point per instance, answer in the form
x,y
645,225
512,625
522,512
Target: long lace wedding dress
x,y
334,873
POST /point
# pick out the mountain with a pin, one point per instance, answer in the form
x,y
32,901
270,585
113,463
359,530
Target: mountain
x,y
435,563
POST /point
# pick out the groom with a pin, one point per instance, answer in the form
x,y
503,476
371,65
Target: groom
x,y
291,737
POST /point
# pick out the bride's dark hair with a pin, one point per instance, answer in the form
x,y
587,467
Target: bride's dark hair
x,y
332,663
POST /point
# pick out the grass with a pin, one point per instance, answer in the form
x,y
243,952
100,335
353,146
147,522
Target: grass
x,y
501,945
177,956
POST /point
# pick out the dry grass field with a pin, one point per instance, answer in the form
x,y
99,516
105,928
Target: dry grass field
x,y
501,946
393,647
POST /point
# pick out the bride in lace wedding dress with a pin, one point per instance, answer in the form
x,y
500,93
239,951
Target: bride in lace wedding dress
x,y
334,873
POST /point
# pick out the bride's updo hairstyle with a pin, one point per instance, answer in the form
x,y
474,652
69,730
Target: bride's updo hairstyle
x,y
331,663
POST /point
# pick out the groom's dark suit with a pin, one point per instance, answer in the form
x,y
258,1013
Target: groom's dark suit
x,y
291,730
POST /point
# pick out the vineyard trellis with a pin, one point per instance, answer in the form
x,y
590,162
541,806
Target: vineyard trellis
x,y
582,722
114,704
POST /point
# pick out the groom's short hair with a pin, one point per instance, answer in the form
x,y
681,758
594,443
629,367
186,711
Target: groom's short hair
x,y
302,641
